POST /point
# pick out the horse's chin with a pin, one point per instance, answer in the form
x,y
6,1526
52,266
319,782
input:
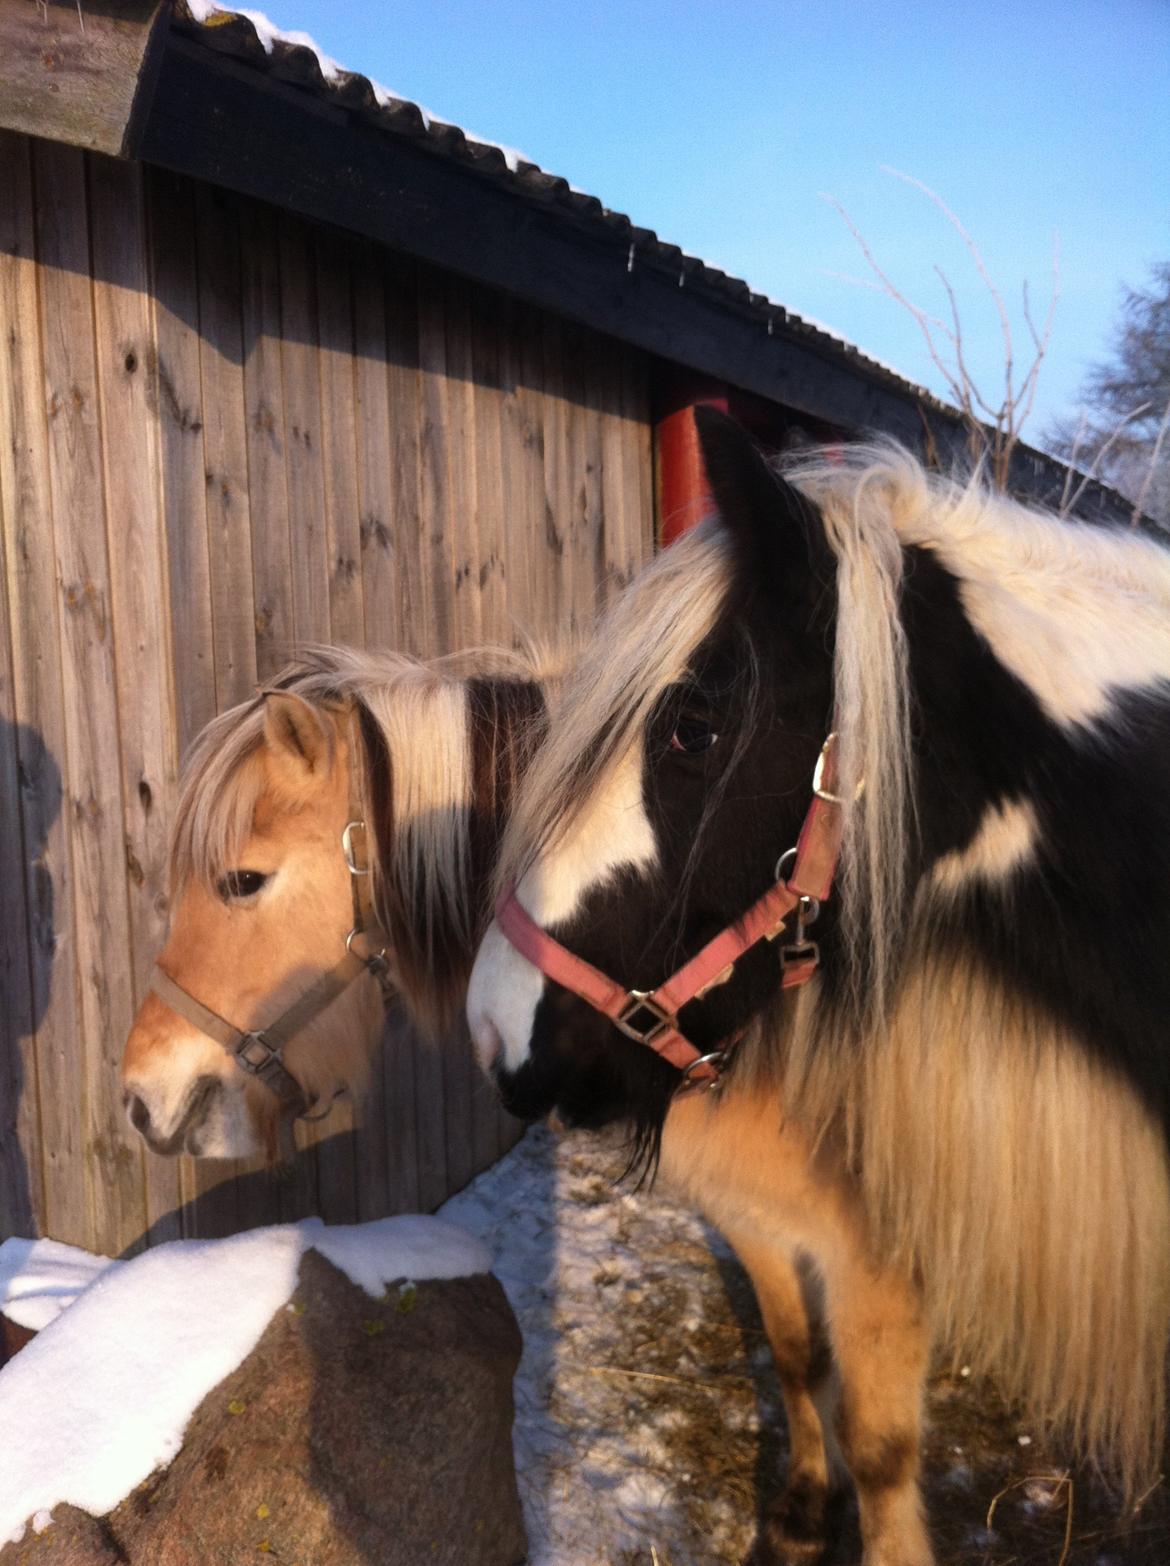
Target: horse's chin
x,y
521,1095
225,1131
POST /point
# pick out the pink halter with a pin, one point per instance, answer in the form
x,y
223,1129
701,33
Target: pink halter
x,y
651,1016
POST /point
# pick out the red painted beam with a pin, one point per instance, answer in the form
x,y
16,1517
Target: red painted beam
x,y
683,496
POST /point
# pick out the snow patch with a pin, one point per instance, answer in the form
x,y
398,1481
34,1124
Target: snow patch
x,y
102,1397
375,1254
39,1278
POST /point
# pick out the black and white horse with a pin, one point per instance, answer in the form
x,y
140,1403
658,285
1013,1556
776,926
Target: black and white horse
x,y
962,1120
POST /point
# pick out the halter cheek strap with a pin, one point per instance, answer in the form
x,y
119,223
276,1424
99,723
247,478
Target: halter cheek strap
x,y
650,1017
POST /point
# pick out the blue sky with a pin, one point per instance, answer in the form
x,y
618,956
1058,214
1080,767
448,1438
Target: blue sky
x,y
722,126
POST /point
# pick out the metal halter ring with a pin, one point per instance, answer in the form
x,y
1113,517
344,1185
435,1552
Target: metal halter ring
x,y
378,956
717,1060
783,864
348,848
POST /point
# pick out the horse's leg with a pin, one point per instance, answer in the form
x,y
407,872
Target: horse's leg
x,y
756,1176
795,1528
882,1350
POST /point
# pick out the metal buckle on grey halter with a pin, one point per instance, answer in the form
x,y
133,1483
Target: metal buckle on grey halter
x,y
259,1051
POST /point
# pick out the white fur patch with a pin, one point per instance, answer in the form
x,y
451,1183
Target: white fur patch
x,y
1005,840
613,833
226,1130
1076,612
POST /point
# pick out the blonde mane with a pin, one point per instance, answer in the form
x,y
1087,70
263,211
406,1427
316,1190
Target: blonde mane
x,y
421,844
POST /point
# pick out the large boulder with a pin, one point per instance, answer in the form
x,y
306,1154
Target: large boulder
x,y
359,1432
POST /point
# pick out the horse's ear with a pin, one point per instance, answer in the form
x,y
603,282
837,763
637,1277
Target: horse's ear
x,y
775,527
298,737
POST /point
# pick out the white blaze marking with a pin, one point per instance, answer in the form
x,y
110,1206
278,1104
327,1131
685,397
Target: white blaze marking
x,y
613,833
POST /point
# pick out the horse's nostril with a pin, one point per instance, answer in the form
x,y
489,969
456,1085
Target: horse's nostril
x,y
138,1112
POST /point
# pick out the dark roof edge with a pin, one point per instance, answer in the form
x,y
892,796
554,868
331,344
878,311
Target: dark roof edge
x,y
270,124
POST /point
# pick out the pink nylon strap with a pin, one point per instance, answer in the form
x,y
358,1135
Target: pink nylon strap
x,y
812,876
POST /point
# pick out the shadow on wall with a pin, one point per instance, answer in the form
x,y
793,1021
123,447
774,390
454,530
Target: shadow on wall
x,y
30,802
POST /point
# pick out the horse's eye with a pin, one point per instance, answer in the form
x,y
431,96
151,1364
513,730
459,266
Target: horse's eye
x,y
692,736
240,883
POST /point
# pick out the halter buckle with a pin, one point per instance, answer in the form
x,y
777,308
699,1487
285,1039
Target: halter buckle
x,y
639,1004
256,1055
818,782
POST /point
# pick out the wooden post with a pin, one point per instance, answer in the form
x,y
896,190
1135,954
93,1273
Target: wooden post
x,y
80,72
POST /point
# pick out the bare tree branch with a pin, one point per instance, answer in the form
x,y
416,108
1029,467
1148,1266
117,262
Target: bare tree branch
x,y
994,444
1101,453
1151,466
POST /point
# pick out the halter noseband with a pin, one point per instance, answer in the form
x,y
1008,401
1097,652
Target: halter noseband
x,y
258,1051
650,1017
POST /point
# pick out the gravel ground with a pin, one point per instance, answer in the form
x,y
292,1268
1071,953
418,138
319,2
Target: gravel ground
x,y
649,1428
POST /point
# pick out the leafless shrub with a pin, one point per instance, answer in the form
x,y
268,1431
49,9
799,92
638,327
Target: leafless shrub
x,y
993,423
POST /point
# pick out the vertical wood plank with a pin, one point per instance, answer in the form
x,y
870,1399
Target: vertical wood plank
x,y
112,1153
179,393
21,1185
413,590
38,1004
557,556
375,486
303,435
489,320
437,569
221,1197
583,360
641,537
621,522
138,584
461,518
22,1194
351,1184
225,445
490,493
339,438
437,544
528,516
264,425
402,1049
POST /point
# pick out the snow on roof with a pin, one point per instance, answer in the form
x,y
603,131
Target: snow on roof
x,y
204,12
102,1396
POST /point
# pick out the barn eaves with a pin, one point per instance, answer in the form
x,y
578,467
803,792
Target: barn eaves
x,y
199,91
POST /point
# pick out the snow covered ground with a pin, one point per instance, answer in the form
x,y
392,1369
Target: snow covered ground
x,y
638,1417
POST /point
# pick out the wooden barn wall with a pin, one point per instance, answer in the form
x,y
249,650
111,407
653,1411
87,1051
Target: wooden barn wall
x,y
226,433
